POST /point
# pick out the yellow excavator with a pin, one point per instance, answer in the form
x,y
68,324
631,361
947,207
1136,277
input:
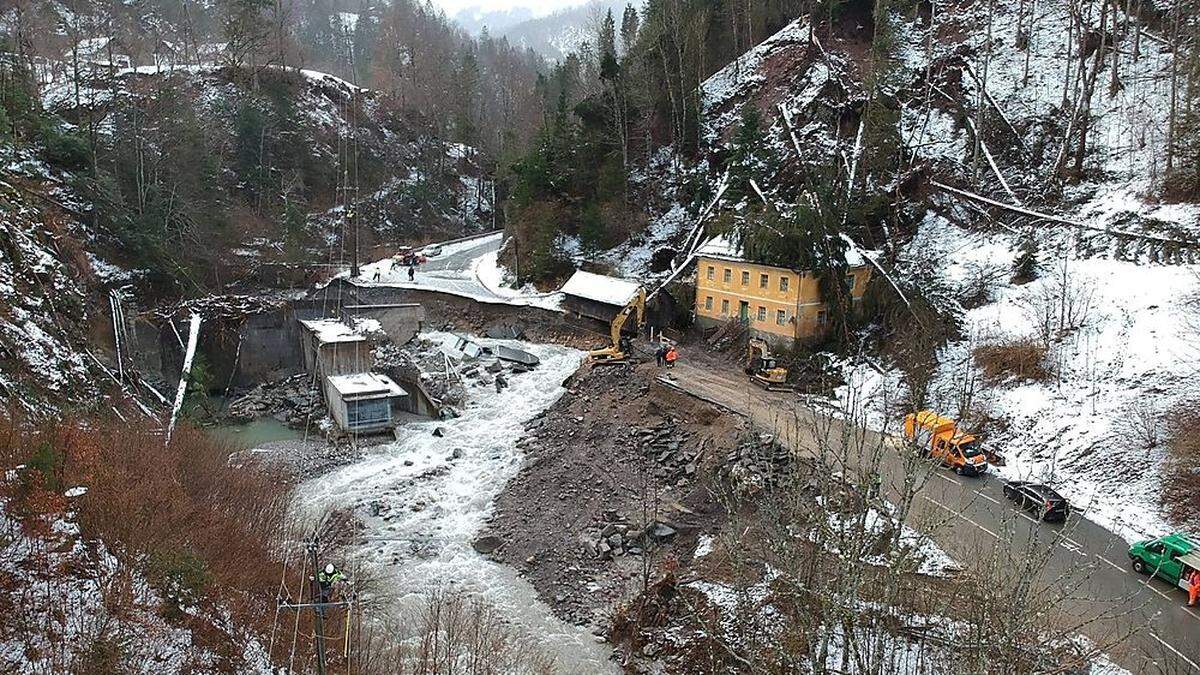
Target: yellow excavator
x,y
618,351
763,369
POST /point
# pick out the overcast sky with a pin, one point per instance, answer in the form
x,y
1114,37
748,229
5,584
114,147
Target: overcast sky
x,y
539,7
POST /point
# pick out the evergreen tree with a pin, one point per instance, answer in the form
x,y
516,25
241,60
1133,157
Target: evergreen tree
x,y
629,28
751,158
609,68
465,129
1025,265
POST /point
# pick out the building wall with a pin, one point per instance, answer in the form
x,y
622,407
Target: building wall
x,y
779,303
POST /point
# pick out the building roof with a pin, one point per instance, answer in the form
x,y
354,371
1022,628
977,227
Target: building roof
x,y
721,246
597,287
329,331
361,386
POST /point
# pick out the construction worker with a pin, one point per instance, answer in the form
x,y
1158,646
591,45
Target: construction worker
x,y
1193,588
671,356
412,271
660,356
326,578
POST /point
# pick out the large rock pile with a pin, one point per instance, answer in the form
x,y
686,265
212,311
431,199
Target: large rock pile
x,y
667,445
615,536
293,401
758,464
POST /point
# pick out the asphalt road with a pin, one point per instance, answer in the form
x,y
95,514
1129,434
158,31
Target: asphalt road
x,y
1143,624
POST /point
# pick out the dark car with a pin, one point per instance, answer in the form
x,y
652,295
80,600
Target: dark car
x,y
1043,500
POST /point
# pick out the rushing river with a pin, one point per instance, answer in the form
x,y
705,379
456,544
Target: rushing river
x,y
422,506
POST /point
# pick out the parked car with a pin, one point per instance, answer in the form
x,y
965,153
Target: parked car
x,y
1048,504
1172,558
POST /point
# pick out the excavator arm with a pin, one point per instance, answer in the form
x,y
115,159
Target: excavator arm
x,y
636,307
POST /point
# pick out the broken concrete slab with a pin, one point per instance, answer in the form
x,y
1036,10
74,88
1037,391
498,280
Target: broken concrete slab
x,y
514,355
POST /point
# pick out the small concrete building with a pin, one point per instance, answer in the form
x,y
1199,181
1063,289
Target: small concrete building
x,y
597,296
334,347
363,402
778,304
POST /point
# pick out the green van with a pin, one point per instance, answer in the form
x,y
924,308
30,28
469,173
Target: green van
x,y
1171,557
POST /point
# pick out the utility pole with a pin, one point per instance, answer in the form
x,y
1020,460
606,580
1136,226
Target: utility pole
x,y
318,600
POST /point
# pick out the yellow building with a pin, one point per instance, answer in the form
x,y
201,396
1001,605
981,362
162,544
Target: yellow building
x,y
778,304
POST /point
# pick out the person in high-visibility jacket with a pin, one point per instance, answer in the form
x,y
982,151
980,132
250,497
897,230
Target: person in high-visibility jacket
x,y
326,578
671,356
1194,588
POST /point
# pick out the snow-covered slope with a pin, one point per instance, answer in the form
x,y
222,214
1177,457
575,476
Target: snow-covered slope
x,y
1102,234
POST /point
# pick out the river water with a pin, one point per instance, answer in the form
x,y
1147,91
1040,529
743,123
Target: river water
x,y
422,507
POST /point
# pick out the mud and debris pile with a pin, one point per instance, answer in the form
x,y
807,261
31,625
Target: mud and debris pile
x,y
294,400
617,474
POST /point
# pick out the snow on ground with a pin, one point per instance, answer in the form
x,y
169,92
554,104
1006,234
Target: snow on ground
x,y
422,506
1094,428
931,559
77,593
468,269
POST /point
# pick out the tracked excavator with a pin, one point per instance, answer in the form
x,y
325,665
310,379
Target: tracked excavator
x,y
618,351
763,368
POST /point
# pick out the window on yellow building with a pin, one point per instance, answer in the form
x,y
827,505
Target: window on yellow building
x,y
712,273
745,278
850,279
725,306
762,281
780,317
822,317
783,284
762,313
708,302
728,275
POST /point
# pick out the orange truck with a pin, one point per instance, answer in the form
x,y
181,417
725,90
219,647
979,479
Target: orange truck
x,y
939,437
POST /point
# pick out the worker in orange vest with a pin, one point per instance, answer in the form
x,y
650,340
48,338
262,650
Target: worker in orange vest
x,y
672,355
1193,588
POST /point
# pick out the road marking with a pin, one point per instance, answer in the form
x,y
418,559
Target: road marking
x,y
990,499
1027,517
960,515
1111,564
1175,651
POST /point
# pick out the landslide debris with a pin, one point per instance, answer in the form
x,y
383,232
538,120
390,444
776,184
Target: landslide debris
x,y
619,473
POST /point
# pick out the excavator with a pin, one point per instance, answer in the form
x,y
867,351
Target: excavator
x,y
763,369
618,351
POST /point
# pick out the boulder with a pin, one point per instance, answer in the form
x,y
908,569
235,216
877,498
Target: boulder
x,y
661,532
487,543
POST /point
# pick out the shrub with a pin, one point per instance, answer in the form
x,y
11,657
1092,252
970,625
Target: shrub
x,y
1021,359
64,149
1181,471
206,531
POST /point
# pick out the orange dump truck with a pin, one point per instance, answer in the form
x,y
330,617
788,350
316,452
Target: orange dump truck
x,y
939,437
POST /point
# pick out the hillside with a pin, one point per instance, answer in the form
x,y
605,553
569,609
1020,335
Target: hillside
x,y
1087,258
560,33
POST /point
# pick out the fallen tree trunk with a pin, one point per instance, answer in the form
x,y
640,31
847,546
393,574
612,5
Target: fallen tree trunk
x,y
1014,208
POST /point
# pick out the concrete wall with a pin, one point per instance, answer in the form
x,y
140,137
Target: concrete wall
x,y
400,321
